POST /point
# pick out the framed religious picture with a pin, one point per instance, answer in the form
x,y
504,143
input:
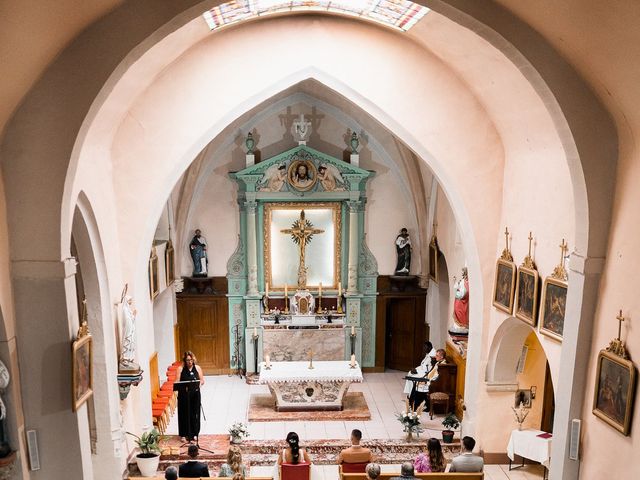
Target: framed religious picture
x,y
169,263
82,374
614,390
552,307
433,259
527,295
302,175
154,287
523,397
504,285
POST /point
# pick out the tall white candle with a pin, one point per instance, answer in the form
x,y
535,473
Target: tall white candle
x,y
339,289
286,290
267,363
255,332
320,289
353,330
353,360
266,289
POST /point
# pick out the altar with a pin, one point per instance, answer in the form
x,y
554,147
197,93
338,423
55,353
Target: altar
x,y
296,387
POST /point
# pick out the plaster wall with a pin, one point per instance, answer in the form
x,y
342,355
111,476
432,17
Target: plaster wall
x,y
533,374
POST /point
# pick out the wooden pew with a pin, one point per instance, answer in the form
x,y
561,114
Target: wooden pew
x,y
425,476
161,477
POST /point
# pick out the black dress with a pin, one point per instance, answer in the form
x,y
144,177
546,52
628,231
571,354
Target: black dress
x,y
189,406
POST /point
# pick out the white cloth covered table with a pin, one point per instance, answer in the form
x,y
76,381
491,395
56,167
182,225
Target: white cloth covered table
x,y
295,386
527,444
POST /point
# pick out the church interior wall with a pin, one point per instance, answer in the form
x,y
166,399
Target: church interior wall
x,y
613,271
533,375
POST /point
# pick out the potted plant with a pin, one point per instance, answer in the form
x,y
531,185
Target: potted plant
x,y
450,423
149,457
238,431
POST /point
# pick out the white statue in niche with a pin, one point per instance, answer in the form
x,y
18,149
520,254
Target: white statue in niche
x,y
128,349
301,129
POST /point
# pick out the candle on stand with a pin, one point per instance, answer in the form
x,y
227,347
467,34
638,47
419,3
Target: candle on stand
x,y
285,290
267,363
266,289
353,360
353,330
320,289
339,289
255,332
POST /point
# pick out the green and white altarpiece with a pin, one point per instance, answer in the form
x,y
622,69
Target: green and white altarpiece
x,y
277,196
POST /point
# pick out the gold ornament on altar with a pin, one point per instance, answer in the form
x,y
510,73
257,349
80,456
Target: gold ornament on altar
x,y
311,367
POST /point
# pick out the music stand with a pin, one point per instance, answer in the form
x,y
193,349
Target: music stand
x,y
186,387
415,381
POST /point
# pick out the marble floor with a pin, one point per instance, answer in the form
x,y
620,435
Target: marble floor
x,y
225,400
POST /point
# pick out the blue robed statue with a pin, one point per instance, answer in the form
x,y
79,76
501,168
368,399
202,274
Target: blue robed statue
x,y
198,249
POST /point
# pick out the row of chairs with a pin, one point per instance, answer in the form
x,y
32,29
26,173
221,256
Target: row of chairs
x,y
164,399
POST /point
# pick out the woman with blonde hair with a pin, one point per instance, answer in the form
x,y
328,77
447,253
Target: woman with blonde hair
x,y
234,465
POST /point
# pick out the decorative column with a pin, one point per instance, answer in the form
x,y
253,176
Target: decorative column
x,y
252,263
352,275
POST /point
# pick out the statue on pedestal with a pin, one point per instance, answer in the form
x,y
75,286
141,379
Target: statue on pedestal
x,y
128,350
403,250
461,306
198,250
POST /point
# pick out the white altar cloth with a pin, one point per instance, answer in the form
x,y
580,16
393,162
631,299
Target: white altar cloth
x,y
323,371
527,444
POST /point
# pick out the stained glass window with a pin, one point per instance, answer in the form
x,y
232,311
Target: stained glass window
x,y
400,14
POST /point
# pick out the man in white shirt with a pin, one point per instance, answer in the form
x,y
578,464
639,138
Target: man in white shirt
x,y
421,370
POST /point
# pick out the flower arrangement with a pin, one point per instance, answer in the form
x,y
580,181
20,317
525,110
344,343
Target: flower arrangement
x,y
410,419
238,431
520,413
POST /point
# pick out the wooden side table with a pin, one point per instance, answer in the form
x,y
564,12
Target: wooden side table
x,y
438,398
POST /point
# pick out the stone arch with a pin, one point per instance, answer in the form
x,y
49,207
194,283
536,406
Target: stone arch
x,y
504,353
104,413
25,155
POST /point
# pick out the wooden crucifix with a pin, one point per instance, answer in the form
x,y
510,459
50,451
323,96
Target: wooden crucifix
x,y
302,231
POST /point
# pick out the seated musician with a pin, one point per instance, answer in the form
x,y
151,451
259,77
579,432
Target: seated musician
x,y
421,393
422,369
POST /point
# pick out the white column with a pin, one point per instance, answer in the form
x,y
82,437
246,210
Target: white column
x,y
352,278
252,263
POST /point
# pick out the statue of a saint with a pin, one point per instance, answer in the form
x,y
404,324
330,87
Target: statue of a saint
x,y
461,303
128,350
198,248
403,249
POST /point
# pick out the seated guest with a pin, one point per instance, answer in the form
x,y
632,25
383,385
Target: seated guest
x,y
422,369
421,393
293,453
355,453
171,473
467,462
193,468
373,471
406,472
234,463
433,461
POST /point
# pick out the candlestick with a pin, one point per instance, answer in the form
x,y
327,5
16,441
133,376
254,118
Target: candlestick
x,y
353,361
353,330
266,289
255,332
339,289
267,362
286,290
320,289
310,359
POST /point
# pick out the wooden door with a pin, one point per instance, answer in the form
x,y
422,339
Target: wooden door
x,y
204,329
548,403
400,333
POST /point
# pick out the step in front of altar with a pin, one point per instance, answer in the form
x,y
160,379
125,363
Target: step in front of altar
x,y
265,452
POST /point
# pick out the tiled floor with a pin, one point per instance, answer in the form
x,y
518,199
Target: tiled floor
x,y
225,400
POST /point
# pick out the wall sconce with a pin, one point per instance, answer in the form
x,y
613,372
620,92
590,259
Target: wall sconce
x,y
533,391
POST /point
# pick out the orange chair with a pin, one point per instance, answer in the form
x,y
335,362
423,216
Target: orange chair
x,y
295,471
347,467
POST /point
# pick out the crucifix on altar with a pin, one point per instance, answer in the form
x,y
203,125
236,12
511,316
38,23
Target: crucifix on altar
x,y
302,231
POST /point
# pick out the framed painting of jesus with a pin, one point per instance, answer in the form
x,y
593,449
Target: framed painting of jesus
x,y
527,295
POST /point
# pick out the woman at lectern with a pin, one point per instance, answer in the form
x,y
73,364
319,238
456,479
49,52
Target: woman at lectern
x,y
189,398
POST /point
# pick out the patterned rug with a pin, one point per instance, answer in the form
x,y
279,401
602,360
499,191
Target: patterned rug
x,y
261,409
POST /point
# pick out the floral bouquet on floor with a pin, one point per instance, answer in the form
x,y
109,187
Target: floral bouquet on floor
x,y
238,431
410,419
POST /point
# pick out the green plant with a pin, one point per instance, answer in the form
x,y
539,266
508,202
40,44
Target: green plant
x,y
451,422
148,443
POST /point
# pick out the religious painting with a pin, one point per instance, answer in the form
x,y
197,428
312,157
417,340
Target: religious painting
x,y
614,391
523,397
82,375
527,295
302,175
552,307
319,251
433,259
154,286
504,285
169,263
